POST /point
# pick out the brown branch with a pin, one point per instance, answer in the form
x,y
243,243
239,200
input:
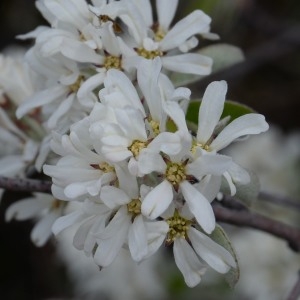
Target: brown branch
x,y
245,218
25,185
231,211
279,200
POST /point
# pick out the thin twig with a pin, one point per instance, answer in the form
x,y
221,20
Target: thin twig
x,y
279,200
231,211
245,218
25,185
295,293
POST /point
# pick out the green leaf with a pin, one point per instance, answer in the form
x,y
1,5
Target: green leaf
x,y
220,237
223,55
235,110
231,108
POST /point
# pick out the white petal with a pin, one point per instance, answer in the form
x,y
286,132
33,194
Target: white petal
x,y
167,142
209,164
63,108
211,109
150,161
188,262
137,239
80,52
147,75
199,206
40,99
42,230
190,63
66,221
165,12
211,252
156,234
90,84
195,22
25,209
112,239
113,197
158,200
244,125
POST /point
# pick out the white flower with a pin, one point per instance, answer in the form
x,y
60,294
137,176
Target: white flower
x,y
156,39
58,100
82,170
190,244
210,141
42,207
128,226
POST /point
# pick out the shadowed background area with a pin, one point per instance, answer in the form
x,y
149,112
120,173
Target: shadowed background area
x,y
268,81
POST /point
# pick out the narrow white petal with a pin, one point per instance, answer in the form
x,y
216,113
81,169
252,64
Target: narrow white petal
x,y
156,234
209,164
165,12
25,209
188,262
158,200
112,239
150,161
167,142
211,252
90,84
42,229
244,125
113,197
190,63
195,22
147,75
211,109
66,221
40,99
137,239
199,206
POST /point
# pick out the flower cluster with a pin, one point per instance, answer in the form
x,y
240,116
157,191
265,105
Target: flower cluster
x,y
125,154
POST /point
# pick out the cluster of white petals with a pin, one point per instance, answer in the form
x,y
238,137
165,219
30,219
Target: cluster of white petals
x,y
124,152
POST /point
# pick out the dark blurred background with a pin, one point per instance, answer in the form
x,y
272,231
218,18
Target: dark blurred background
x,y
269,81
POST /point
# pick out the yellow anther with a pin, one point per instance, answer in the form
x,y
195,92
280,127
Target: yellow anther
x,y
175,173
134,207
106,168
136,147
149,54
155,127
178,227
199,145
113,62
76,85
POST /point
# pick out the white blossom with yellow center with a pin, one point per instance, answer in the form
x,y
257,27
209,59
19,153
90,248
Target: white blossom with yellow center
x,y
190,244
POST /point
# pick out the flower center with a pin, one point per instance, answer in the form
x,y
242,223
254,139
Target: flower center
x,y
148,54
106,168
175,173
134,207
136,147
200,145
178,227
112,62
155,127
76,85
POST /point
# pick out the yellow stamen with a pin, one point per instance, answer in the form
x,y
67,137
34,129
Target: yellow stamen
x,y
136,147
113,62
149,54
